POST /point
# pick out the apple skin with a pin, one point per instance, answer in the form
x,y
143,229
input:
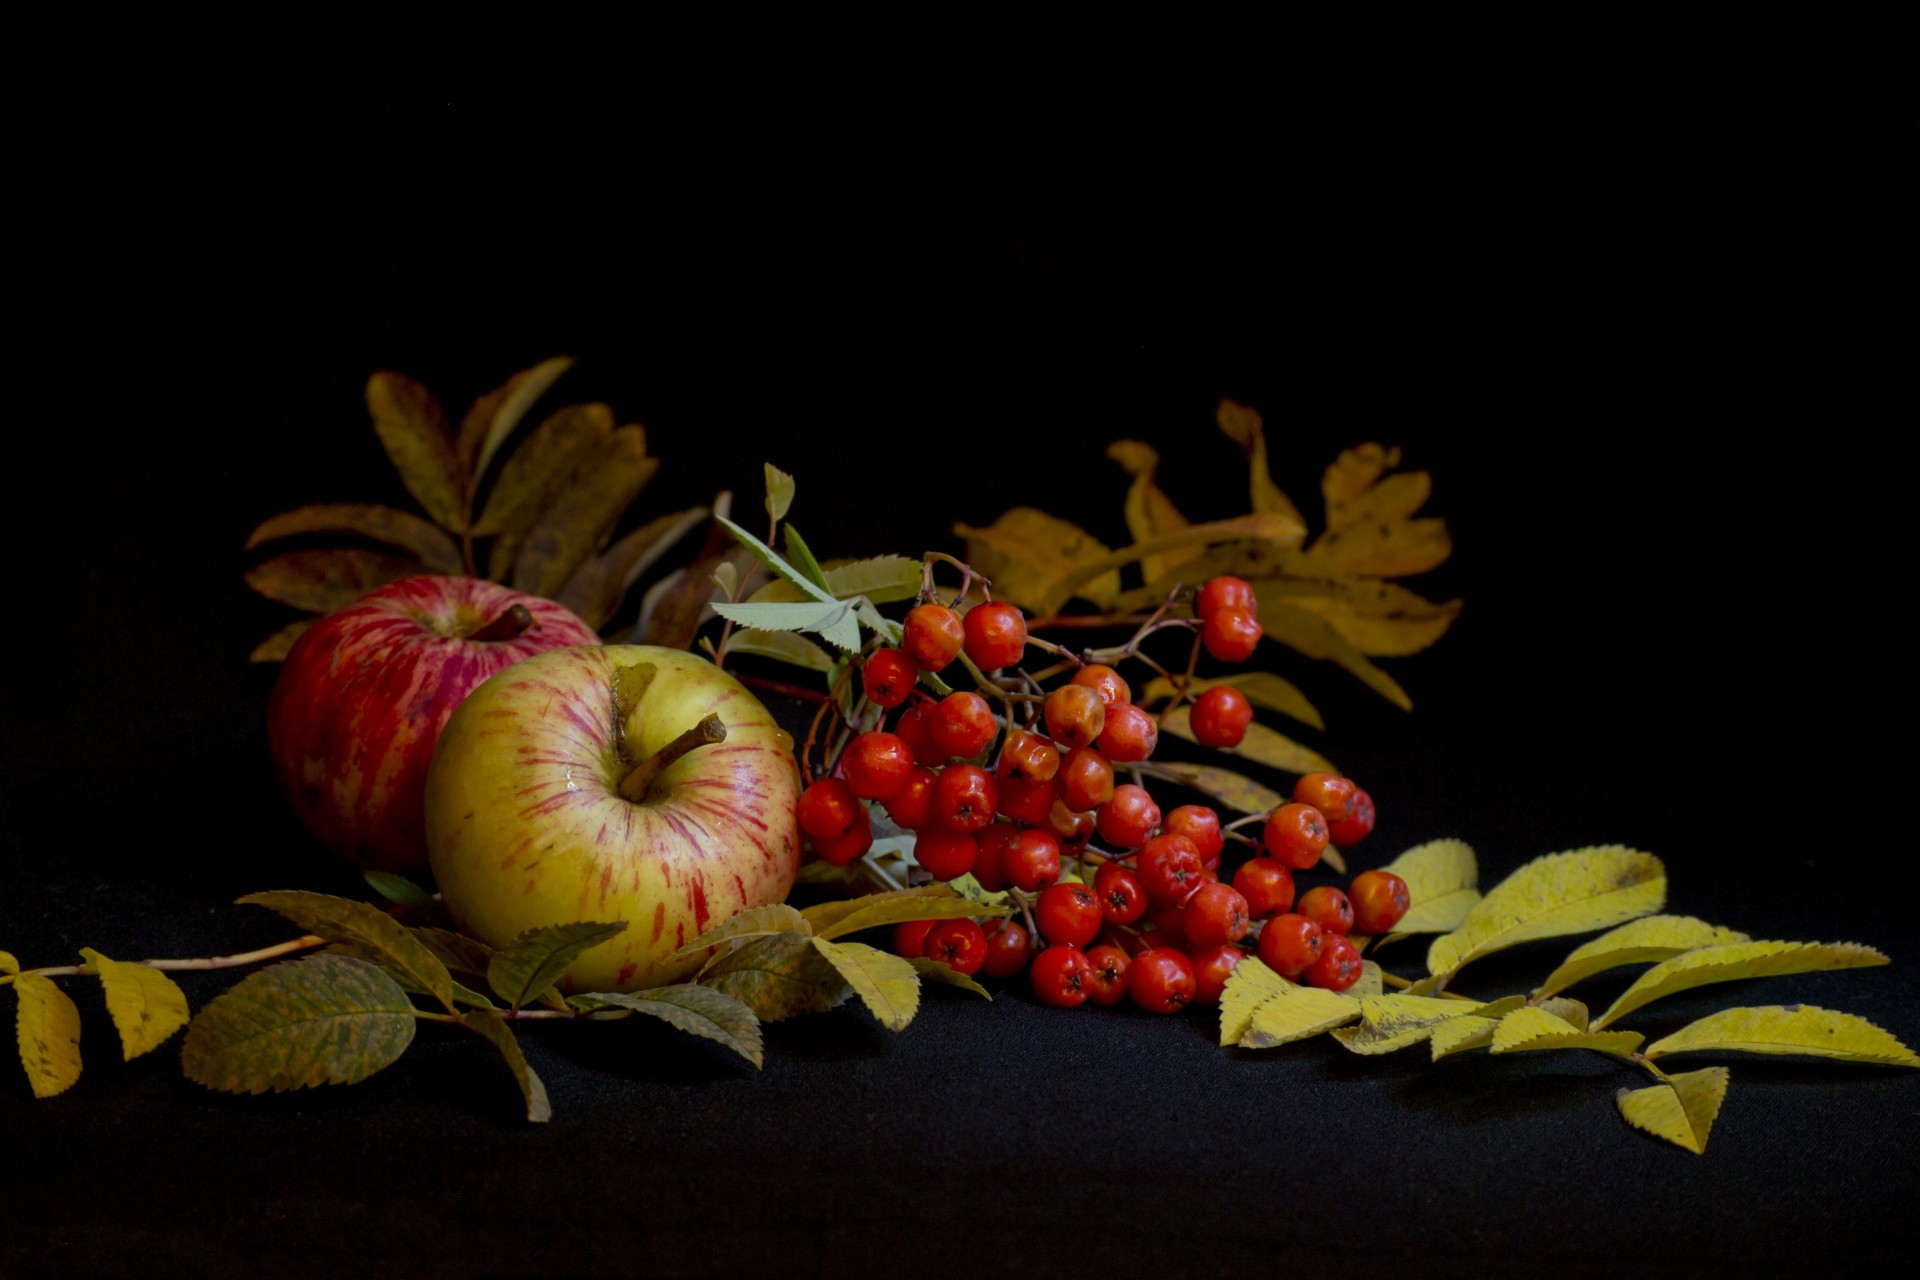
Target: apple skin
x,y
363,694
526,825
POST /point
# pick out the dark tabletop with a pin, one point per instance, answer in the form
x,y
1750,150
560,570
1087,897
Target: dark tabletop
x,y
1593,330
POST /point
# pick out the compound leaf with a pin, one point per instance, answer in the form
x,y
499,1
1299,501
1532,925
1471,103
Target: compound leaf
x,y
1641,941
1149,511
1470,1031
433,545
1027,553
322,581
492,1028
939,971
887,984
1295,1014
882,579
1312,635
1383,619
146,1005
782,646
698,1010
1530,1028
1730,962
1681,1111
1267,527
494,415
1560,893
47,1029
1244,427
414,431
775,564
891,911
1788,1029
537,469
1261,745
598,586
823,916
1234,790
583,512
774,917
778,977
325,1019
344,920
530,964
1250,985
807,615
1442,884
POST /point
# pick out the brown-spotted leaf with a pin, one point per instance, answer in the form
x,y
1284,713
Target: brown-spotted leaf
x,y
433,545
1267,527
1356,487
1261,745
1469,1031
1028,553
583,512
1250,985
494,416
1262,689
1295,1014
1799,1029
595,591
276,646
1578,891
325,1019
344,920
1244,427
1150,512
1234,790
1383,619
1285,621
322,581
492,1028
47,1029
414,431
146,1005
1398,549
535,470
695,1009
885,983
1682,1110
778,977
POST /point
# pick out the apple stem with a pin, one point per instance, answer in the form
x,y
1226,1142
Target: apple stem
x,y
508,626
634,786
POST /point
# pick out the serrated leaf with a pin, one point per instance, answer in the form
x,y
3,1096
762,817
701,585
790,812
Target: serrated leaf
x,y
461,995
1245,428
435,547
1026,552
146,1005
823,916
1239,793
397,888
344,920
779,492
1390,1022
1567,1010
1383,619
47,1029
938,971
892,911
537,469
414,431
782,646
1733,961
458,952
323,581
775,564
1561,893
1643,941
1312,635
1531,1028
808,615
583,512
881,579
494,416
492,1028
1150,512
801,556
276,646
1262,689
775,917
1471,1031
1260,745
779,977
1442,878
843,631
1264,527
1788,1029
1250,985
887,984
324,1019
698,1010
1682,1110
534,961
596,589
1295,1014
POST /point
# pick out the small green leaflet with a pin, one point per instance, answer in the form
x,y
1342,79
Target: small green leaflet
x,y
882,579
535,960
806,615
779,493
344,920
802,557
397,888
782,646
777,566
698,1010
325,1019
492,1028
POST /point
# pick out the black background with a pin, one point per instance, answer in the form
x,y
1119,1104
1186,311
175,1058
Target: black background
x,y
1611,332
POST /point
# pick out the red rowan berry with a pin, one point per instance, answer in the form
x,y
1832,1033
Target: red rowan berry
x,y
996,635
932,636
1220,717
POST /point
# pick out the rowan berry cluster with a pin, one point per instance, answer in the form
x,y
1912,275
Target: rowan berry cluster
x,y
1117,900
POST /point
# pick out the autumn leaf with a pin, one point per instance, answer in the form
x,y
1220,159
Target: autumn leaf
x,y
1245,428
782,646
1295,1014
937,971
1442,878
1250,985
754,922
492,1028
1260,744
344,920
536,470
1265,528
146,1005
1681,1111
885,983
1150,512
778,977
891,911
322,581
1733,961
325,1019
596,589
824,918
1382,619
535,960
1470,1031
1261,688
1390,1022
1285,622
1643,941
697,1010
1234,790
1531,1028
1027,552
435,548
413,429
494,416
47,1030
276,646
583,512
1788,1029
1561,893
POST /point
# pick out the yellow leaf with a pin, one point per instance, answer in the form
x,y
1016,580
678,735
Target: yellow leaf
x,y
890,911
1733,961
1528,1029
322,581
1026,552
1283,620
7,963
754,922
1390,1022
1681,1111
1442,884
1241,794
276,646
595,591
779,492
1350,475
887,984
1397,550
1262,689
145,1003
1789,1029
1150,512
1383,619
583,513
1261,745
1637,942
494,416
1561,893
1245,428
434,545
1295,1014
1471,1031
414,431
1567,1010
1268,527
1251,560
540,465
48,1030
1250,985
823,916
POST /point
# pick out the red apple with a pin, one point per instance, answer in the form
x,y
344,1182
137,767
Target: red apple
x,y
364,693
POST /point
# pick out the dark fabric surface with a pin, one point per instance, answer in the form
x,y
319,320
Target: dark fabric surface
x,y
1594,331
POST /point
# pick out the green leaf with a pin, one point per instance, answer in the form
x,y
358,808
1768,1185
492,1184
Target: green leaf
x,y
778,977
146,1005
775,917
1682,1110
1442,878
779,493
886,983
892,911
1234,790
597,588
1261,688
397,888
809,615
1531,1028
1560,893
325,1019
494,416
775,565
1471,1031
782,646
535,960
698,1010
939,971
535,471
414,431
1788,1029
823,916
1295,1014
1261,745
323,581
458,952
882,579
843,631
1733,961
276,646
1250,985
802,557
433,545
583,512
47,1029
344,920
492,1028
1642,941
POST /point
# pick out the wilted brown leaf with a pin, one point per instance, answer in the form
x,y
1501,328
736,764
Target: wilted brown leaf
x,y
596,590
414,431
583,513
494,416
535,470
435,547
276,646
322,581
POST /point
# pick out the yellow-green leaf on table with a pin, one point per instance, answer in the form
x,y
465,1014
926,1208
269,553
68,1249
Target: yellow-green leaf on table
x,y
344,920
1531,1028
1027,552
881,579
1799,1029
1442,878
1734,961
778,977
535,470
1470,1031
1237,792
1383,619
433,545
596,589
1263,527
1244,427
493,416
1295,1014
1261,745
146,1005
892,911
461,994
1286,622
1682,1110
413,429
1390,1022
937,971
885,983
457,951
1149,511
1371,982
823,917
1250,985
1560,893
782,646
1261,688
276,646
492,1028
47,1029
1643,941
754,922
524,968
1567,1009
396,888
1398,549
324,1019
583,513
322,581
779,492
698,1010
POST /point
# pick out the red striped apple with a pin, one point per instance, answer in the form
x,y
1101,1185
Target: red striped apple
x,y
363,695
626,783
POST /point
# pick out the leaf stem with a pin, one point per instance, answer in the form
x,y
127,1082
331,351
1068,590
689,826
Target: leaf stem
x,y
211,962
634,786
